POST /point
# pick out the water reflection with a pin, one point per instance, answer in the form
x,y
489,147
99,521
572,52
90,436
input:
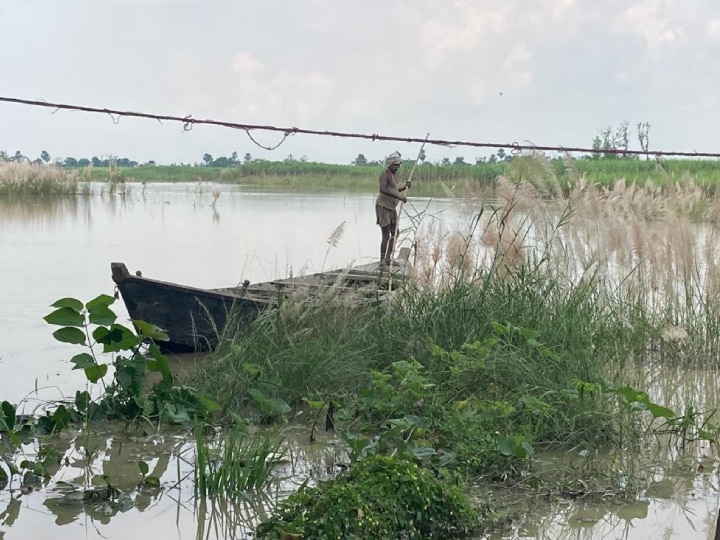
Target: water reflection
x,y
681,503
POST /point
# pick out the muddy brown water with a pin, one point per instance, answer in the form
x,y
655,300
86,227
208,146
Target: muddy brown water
x,y
52,249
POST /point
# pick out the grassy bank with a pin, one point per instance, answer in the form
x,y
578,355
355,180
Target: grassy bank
x,y
540,326
430,179
296,174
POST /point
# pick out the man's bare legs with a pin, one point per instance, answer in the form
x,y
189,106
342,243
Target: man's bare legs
x,y
387,244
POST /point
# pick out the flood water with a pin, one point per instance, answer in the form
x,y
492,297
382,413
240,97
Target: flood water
x,y
184,233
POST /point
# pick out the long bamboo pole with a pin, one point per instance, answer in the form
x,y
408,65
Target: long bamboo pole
x,y
399,211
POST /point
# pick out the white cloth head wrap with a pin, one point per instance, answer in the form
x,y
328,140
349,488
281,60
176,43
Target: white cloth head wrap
x,y
393,159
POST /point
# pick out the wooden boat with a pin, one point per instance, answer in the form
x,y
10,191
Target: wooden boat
x,y
194,318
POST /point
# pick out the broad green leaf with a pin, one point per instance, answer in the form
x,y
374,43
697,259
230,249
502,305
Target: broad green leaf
x,y
72,303
82,361
82,401
65,316
117,338
151,481
102,315
130,375
529,335
706,435
423,452
95,373
658,411
70,335
505,448
159,363
208,404
314,404
101,301
8,410
61,417
630,394
150,330
144,468
257,395
251,369
417,421
176,415
3,478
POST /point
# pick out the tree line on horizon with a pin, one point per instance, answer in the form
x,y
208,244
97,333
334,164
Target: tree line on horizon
x,y
608,139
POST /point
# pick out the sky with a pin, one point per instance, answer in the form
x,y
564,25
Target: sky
x,y
546,72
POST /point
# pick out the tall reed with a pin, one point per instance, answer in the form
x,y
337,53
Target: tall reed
x,y
605,277
30,179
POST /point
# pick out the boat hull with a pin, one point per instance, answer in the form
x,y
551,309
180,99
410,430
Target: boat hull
x,y
193,318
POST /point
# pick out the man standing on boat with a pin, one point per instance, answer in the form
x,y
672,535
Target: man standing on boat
x,y
386,204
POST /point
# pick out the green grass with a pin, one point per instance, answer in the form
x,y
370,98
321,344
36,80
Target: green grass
x,y
489,357
236,462
334,351
307,175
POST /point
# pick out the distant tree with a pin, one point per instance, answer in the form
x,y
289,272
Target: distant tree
x,y
303,159
445,162
422,157
479,160
45,156
150,163
18,157
247,158
70,162
234,157
38,161
460,161
501,155
492,158
220,162
96,161
4,156
360,160
290,159
611,143
207,158
84,162
644,136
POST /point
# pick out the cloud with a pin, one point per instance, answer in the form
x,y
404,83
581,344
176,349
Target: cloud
x,y
564,67
259,93
649,20
713,29
462,27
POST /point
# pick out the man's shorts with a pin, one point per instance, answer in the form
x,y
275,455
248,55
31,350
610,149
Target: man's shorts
x,y
385,216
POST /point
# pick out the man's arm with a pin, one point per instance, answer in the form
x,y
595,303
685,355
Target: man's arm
x,y
385,188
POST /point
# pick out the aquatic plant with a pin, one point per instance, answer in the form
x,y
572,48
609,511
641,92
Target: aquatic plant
x,y
136,354
235,463
379,497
